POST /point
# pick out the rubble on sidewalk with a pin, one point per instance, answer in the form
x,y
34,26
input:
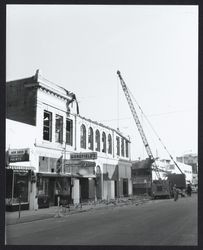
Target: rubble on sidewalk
x,y
55,212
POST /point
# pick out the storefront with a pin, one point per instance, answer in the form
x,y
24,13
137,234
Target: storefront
x,y
52,185
84,172
75,184
18,187
124,178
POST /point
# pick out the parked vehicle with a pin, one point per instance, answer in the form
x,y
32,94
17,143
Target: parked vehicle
x,y
161,189
179,181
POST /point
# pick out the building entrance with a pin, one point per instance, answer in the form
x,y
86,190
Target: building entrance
x,y
125,187
51,191
84,189
116,188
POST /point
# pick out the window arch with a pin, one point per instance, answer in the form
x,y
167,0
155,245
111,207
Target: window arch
x,y
83,136
118,145
90,139
104,142
109,144
122,147
97,140
126,149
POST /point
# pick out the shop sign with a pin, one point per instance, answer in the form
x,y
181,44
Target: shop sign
x,y
80,163
72,162
17,155
83,156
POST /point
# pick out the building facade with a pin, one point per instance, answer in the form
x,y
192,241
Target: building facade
x,y
171,168
53,151
192,160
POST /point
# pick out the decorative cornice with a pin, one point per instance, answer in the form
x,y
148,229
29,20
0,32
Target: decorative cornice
x,y
52,92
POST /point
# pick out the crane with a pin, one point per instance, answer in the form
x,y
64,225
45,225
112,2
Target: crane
x,y
137,121
139,126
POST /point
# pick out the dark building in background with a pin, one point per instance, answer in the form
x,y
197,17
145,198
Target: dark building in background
x,y
141,176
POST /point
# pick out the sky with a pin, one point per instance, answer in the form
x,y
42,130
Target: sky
x,y
81,47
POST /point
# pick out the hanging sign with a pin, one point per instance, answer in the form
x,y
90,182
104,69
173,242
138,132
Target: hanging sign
x,y
18,155
83,156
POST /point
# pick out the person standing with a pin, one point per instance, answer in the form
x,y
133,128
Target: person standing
x,y
175,192
189,190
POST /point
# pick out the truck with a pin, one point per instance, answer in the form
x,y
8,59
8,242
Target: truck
x,y
164,188
161,189
178,180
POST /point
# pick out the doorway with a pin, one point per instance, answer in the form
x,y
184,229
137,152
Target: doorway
x,y
51,191
116,188
84,189
125,187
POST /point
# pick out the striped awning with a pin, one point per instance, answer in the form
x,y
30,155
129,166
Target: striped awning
x,y
20,168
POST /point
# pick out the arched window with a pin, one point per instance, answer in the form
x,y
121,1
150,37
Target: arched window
x,y
118,145
126,148
90,138
83,136
103,142
122,147
97,140
109,144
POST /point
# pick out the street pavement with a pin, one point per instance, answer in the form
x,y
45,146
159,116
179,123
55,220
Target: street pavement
x,y
54,211
156,222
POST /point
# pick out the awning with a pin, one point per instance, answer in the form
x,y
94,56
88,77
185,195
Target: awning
x,y
20,168
43,174
122,163
84,176
53,175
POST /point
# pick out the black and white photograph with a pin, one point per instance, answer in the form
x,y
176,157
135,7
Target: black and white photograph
x,y
101,140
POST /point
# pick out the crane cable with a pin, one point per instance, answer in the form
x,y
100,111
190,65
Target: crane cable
x,y
154,131
122,81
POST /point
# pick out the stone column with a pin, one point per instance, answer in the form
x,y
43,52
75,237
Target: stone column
x,y
76,191
33,197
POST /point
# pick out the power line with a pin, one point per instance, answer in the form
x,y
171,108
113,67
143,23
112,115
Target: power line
x,y
155,132
159,114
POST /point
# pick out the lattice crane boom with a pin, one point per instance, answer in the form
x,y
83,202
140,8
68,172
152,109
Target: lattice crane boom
x,y
139,126
135,116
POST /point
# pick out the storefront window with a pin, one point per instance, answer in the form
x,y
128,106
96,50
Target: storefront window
x,y
59,129
109,144
97,140
16,186
69,132
47,126
83,136
103,142
20,187
43,184
63,186
90,138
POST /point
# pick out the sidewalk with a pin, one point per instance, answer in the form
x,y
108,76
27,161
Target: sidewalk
x,y
46,213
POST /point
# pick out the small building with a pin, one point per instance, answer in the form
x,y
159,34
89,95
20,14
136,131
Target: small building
x,y
192,160
54,151
171,168
142,176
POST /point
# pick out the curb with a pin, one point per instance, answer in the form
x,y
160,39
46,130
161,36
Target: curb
x,y
63,215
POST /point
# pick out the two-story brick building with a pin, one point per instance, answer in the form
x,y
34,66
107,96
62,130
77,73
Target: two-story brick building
x,y
52,150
